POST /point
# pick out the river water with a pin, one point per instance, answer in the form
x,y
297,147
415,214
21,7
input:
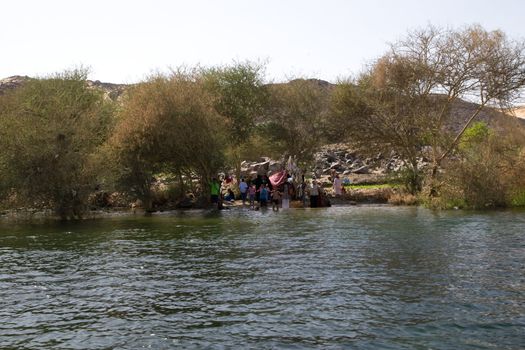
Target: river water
x,y
363,277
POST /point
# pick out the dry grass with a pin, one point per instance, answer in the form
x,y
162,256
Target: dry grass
x,y
403,198
370,195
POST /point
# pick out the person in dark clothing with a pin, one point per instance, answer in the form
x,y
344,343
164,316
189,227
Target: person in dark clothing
x,y
264,195
230,196
314,194
266,181
258,182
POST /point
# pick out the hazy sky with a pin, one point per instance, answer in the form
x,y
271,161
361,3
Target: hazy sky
x,y
123,41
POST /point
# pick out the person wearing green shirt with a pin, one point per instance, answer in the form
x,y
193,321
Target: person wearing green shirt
x,y
215,190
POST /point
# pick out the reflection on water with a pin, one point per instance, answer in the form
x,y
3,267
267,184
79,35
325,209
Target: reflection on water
x,y
360,277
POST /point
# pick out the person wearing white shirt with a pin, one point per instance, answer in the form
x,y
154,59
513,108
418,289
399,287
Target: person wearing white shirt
x,y
314,194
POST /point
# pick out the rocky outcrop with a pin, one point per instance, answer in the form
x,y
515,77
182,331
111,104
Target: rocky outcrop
x,y
12,83
338,159
343,160
111,91
502,120
264,166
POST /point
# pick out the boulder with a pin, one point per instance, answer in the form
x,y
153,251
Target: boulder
x,y
261,167
274,166
336,166
362,170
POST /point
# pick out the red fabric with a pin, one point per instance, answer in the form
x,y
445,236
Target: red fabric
x,y
278,178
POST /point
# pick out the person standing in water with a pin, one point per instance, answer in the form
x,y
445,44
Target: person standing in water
x,y
314,194
215,190
286,196
243,188
264,195
251,192
338,184
276,196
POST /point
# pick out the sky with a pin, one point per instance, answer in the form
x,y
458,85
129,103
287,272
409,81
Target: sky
x,y
125,41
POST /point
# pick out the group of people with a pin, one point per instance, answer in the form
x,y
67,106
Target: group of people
x,y
259,192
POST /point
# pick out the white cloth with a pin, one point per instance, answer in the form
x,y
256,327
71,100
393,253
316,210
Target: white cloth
x,y
286,190
314,190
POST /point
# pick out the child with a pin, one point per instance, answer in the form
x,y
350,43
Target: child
x,y
263,196
243,187
276,196
230,196
251,194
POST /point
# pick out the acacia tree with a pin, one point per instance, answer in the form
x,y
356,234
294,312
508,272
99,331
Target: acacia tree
x,y
410,92
166,124
239,96
50,130
294,118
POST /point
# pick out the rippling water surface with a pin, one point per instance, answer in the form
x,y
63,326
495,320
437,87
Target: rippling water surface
x,y
353,277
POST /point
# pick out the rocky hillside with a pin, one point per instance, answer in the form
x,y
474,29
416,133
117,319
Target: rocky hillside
x,y
493,117
12,83
111,91
461,111
519,112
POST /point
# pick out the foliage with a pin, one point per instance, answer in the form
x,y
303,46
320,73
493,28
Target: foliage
x,y
50,130
239,95
294,119
486,173
382,120
406,99
517,198
166,124
474,135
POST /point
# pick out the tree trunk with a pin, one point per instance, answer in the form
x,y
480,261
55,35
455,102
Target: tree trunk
x,y
437,162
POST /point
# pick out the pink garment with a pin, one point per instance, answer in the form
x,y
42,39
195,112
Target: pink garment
x,y
278,178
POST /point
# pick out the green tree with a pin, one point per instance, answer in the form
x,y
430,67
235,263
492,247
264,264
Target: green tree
x,y
486,171
411,91
240,96
294,118
50,130
166,124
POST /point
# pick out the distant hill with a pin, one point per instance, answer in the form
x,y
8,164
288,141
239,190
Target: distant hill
x,y
519,112
12,83
496,118
461,111
112,91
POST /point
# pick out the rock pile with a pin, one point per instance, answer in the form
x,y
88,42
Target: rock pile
x,y
265,165
343,160
339,159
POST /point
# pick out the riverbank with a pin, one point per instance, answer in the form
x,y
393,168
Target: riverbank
x,y
358,196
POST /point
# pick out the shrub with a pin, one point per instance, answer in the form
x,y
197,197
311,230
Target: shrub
x,y
51,129
486,173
